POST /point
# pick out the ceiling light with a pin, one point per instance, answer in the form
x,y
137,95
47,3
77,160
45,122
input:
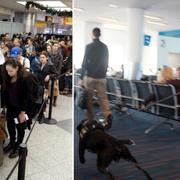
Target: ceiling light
x,y
152,17
78,9
156,23
113,5
115,26
108,19
22,2
51,4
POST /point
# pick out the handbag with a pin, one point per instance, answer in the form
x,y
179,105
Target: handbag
x,y
82,98
3,132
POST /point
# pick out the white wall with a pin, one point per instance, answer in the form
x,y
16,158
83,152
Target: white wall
x,y
167,45
11,27
150,54
116,41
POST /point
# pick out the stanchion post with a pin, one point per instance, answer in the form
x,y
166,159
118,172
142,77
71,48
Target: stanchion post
x,y
50,120
51,99
22,162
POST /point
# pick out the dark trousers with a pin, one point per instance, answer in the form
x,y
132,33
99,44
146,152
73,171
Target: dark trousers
x,y
12,127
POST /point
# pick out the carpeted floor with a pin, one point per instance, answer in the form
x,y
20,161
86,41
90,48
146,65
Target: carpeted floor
x,y
157,152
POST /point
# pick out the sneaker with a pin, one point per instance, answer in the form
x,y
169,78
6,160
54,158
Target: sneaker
x,y
8,148
14,153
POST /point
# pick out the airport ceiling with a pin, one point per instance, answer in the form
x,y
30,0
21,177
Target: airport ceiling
x,y
13,5
167,10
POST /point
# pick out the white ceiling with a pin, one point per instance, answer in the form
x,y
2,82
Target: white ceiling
x,y
11,4
168,10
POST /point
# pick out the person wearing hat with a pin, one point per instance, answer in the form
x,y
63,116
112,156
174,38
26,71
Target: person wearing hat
x,y
16,52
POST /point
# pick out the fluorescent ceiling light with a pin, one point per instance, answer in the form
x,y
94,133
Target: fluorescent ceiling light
x,y
115,26
152,17
51,4
21,2
113,5
157,23
108,19
78,9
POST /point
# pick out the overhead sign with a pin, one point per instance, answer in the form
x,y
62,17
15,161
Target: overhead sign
x,y
67,20
147,40
49,18
40,24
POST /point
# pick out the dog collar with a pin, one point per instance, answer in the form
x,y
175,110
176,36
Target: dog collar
x,y
85,130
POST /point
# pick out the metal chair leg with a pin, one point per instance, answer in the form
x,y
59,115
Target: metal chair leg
x,y
166,121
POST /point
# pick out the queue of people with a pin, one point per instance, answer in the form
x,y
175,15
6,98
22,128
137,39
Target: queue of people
x,y
26,60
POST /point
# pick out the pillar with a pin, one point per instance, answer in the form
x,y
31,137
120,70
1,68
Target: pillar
x,y
135,43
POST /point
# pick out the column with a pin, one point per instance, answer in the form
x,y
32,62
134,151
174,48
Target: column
x,y
29,22
135,43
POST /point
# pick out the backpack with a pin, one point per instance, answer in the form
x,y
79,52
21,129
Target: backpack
x,y
33,87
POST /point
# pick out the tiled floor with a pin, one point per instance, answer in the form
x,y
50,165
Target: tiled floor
x,y
49,148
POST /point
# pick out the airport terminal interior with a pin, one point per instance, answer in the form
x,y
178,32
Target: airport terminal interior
x,y
143,41
29,32
44,52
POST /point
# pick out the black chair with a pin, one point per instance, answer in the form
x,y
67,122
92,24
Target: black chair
x,y
76,83
167,105
111,90
126,90
144,92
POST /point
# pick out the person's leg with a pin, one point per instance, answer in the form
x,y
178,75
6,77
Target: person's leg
x,y
11,126
20,136
88,84
20,132
103,99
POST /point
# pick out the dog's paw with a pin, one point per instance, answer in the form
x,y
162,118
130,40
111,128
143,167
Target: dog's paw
x,y
82,160
132,142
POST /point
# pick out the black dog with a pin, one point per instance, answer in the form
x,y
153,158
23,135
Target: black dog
x,y
108,149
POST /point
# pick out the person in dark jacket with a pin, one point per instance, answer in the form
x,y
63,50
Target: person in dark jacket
x,y
15,98
45,72
94,68
57,61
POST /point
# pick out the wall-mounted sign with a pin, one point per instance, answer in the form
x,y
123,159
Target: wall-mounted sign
x,y
147,40
67,20
49,18
40,24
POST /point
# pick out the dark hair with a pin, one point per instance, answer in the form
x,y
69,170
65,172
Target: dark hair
x,y
14,63
44,53
96,32
178,69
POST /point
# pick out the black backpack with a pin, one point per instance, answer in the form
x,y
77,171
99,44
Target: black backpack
x,y
33,87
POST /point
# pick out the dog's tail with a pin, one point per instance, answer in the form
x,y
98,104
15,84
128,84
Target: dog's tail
x,y
144,171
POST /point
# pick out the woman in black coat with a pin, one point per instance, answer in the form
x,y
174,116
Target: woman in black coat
x,y
15,98
45,72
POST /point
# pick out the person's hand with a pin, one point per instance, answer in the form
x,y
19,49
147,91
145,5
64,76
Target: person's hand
x,y
47,78
22,117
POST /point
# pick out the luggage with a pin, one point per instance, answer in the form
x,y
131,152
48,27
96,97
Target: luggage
x,y
3,133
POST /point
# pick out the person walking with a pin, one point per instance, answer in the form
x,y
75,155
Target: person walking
x,y
93,76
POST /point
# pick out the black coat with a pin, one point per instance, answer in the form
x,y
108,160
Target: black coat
x,y
22,94
95,62
48,69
